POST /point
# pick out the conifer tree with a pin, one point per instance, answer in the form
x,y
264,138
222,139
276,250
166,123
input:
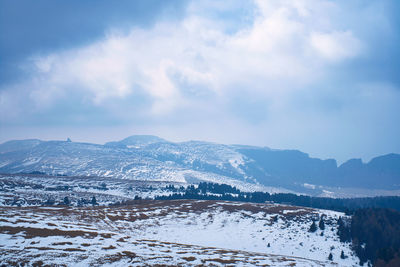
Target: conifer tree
x,y
66,201
313,227
330,257
321,224
94,201
343,231
342,256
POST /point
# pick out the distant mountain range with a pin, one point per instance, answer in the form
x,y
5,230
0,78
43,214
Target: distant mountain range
x,y
145,157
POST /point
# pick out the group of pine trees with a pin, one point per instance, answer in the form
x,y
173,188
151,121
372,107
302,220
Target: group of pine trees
x,y
321,226
375,235
213,191
67,202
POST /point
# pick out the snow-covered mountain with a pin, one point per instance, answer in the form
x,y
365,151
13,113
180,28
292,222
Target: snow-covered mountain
x,y
155,159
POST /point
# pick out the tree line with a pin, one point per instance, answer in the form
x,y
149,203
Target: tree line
x,y
213,191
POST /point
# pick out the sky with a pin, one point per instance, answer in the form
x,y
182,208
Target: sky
x,y
315,75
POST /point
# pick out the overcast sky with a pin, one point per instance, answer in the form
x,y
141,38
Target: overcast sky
x,y
319,76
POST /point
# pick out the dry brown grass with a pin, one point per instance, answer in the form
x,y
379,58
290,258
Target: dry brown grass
x,y
30,232
109,247
118,257
24,221
232,261
191,258
74,249
106,235
38,264
40,248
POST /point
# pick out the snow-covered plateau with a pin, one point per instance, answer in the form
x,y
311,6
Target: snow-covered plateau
x,y
178,232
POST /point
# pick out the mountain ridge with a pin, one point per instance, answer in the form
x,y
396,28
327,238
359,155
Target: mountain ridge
x,y
153,158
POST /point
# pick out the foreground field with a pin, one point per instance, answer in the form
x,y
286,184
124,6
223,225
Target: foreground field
x,y
183,232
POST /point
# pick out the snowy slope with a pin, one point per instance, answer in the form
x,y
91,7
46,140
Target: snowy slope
x,y
160,161
184,232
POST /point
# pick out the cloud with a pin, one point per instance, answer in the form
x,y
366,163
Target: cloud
x,y
195,54
48,26
336,46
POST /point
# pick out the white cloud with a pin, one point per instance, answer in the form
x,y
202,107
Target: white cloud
x,y
336,46
198,56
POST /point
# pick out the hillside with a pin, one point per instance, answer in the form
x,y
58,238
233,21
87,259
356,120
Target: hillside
x,y
184,232
154,159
